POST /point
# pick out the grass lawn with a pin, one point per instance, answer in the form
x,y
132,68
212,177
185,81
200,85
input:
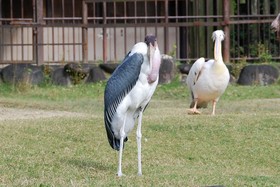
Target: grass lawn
x,y
55,136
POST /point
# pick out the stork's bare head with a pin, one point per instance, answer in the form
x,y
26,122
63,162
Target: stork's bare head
x,y
150,39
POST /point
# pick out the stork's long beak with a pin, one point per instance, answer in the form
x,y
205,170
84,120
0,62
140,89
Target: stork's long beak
x,y
155,60
152,51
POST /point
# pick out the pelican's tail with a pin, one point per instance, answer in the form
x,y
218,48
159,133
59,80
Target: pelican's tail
x,y
218,34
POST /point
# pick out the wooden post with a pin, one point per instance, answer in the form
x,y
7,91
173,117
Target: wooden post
x,y
85,33
226,52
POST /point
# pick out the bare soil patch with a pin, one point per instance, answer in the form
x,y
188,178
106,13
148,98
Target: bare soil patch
x,y
7,113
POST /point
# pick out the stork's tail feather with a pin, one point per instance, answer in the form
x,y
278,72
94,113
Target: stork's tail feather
x,y
116,144
113,141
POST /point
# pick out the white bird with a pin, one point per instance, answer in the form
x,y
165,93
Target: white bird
x,y
207,81
275,25
128,93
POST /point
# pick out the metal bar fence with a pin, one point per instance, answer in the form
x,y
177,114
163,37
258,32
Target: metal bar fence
x,y
59,31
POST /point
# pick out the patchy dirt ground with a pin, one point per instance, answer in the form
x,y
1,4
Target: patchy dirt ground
x,y
29,113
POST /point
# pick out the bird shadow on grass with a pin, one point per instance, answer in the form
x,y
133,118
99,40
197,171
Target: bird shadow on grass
x,y
89,164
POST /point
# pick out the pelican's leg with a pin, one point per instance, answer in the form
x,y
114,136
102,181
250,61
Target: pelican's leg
x,y
214,107
122,133
194,110
139,137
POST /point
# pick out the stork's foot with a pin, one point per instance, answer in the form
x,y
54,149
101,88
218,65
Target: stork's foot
x,y
120,174
139,173
193,111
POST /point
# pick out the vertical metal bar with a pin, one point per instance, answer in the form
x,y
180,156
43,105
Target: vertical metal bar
x,y
177,31
1,32
135,21
53,51
104,33
259,25
196,29
268,35
146,15
85,32
34,38
11,9
125,39
115,40
238,29
74,38
11,31
187,32
227,31
166,41
0,12
156,20
94,34
63,30
207,30
40,35
21,33
247,31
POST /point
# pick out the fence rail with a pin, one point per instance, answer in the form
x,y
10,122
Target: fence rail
x,y
48,31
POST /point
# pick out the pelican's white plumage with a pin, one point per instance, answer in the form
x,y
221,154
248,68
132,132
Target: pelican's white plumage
x,y
207,81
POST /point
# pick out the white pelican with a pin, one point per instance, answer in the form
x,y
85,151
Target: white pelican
x,y
207,81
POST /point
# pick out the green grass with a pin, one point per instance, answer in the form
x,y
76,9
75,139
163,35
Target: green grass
x,y
237,147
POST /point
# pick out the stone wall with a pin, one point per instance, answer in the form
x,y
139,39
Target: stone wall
x,y
72,73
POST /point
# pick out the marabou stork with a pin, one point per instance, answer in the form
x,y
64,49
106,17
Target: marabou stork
x,y
207,81
128,92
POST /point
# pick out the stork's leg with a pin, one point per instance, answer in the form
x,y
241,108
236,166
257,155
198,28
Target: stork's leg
x,y
214,107
139,137
122,133
194,110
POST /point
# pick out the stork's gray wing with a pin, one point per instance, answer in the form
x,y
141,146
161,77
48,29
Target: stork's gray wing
x,y
118,86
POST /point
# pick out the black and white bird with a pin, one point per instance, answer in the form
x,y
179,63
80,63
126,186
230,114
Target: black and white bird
x,y
128,92
207,80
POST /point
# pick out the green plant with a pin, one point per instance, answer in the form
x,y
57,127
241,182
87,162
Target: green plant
x,y
173,51
76,73
47,75
238,66
261,51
